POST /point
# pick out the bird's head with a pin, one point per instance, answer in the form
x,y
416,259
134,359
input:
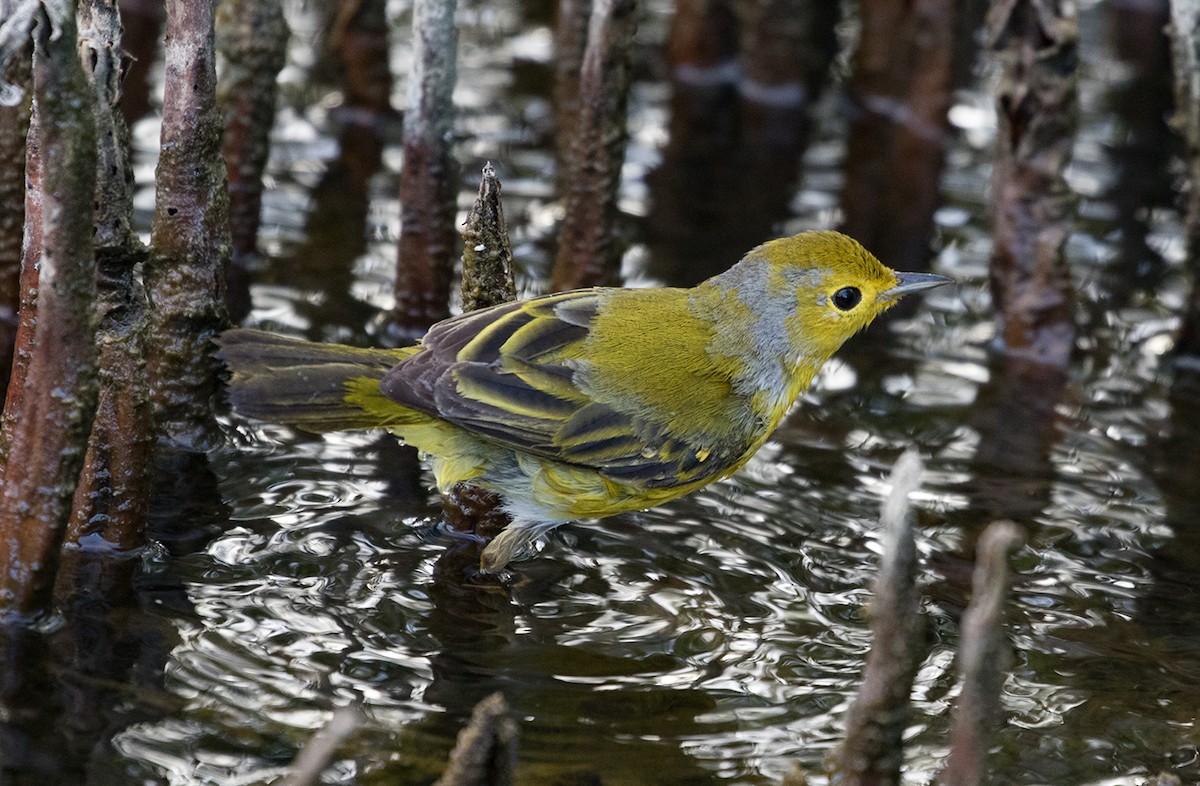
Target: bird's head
x,y
827,286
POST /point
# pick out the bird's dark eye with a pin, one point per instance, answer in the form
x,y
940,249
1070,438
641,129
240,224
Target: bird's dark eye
x,y
847,298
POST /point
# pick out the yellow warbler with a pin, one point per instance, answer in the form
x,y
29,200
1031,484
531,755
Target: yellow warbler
x,y
594,402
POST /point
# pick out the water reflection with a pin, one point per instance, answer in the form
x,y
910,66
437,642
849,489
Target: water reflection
x,y
713,640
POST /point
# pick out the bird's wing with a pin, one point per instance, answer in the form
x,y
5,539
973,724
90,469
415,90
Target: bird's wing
x,y
505,375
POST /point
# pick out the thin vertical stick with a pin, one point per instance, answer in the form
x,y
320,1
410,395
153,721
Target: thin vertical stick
x,y
46,431
428,176
486,281
190,247
873,749
982,653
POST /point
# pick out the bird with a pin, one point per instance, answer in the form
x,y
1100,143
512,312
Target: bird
x,y
592,402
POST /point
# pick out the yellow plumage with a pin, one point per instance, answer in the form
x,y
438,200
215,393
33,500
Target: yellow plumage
x,y
593,402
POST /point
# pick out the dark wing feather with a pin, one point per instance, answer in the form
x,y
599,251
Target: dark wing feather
x,y
499,373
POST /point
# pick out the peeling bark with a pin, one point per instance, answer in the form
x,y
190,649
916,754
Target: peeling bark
x,y
108,514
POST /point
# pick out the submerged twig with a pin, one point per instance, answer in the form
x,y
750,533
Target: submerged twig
x,y
318,752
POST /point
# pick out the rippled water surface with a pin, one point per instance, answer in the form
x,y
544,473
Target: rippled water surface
x,y
721,637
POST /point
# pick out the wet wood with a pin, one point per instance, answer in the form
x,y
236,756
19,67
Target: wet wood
x,y
14,127
46,426
318,752
487,278
252,43
1185,56
873,750
589,252
428,174
983,657
108,514
1036,42
900,94
485,753
190,247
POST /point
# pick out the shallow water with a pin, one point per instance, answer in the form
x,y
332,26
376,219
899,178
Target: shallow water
x,y
720,638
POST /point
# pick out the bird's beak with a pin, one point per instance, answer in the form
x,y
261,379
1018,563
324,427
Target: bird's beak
x,y
907,283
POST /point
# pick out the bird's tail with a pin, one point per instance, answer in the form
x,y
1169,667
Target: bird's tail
x,y
308,385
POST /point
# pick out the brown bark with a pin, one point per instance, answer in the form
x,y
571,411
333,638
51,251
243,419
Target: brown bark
x,y
487,278
872,752
570,38
982,658
428,175
252,41
47,428
189,252
900,92
486,750
108,514
588,251
1036,41
14,127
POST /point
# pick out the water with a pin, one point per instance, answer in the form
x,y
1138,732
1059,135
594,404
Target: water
x,y
717,639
